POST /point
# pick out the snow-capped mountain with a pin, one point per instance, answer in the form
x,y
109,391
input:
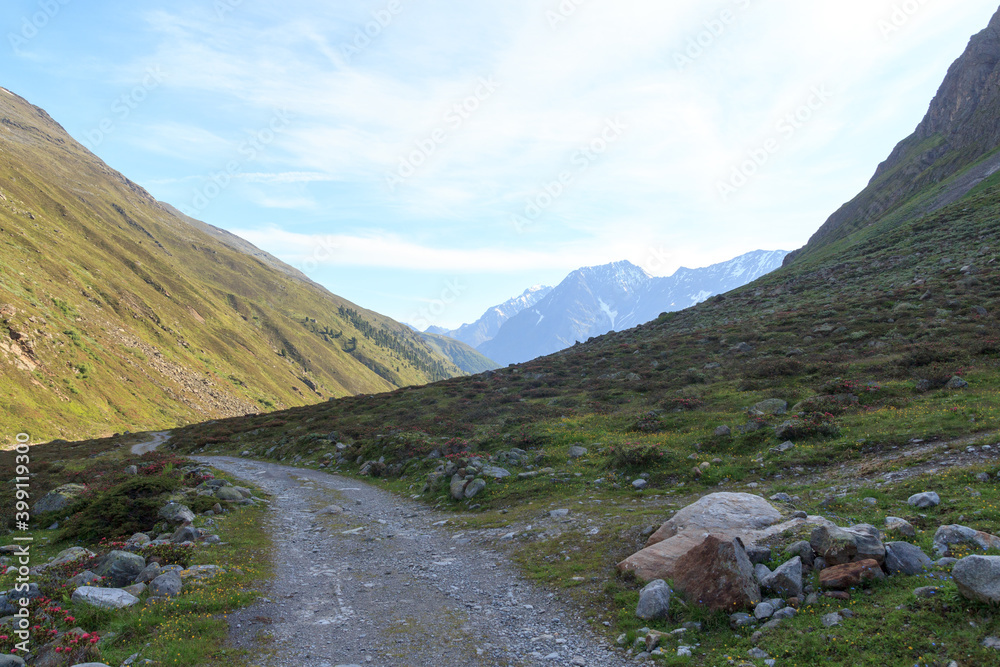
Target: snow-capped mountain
x,y
595,300
487,326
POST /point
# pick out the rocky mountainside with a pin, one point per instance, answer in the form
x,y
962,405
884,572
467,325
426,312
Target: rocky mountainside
x,y
951,152
593,301
117,312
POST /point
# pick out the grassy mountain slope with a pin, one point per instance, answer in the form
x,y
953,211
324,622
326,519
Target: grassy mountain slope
x,y
464,356
118,313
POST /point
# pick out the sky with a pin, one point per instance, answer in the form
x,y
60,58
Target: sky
x,y
429,158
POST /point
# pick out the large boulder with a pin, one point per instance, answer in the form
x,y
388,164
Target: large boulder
x,y
905,558
748,517
654,601
720,513
457,487
850,575
228,494
120,567
955,540
772,406
837,546
70,555
924,500
59,498
786,581
104,598
717,574
978,578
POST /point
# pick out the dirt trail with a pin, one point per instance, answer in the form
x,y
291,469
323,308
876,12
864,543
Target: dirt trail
x,y
158,439
389,583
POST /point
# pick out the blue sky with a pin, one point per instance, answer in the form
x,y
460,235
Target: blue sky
x,y
427,159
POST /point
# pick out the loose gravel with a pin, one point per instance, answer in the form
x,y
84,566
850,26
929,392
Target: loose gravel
x,y
387,582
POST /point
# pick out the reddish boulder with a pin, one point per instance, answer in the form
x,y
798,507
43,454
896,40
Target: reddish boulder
x,y
850,575
717,574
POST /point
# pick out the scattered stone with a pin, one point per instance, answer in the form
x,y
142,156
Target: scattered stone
x,y
803,550
654,601
949,536
150,572
850,575
166,585
475,487
905,558
104,598
763,611
639,484
926,591
924,500
120,567
496,472
176,514
59,498
85,578
786,581
830,620
957,383
740,620
762,572
978,578
723,432
228,494
846,545
901,526
992,642
786,446
772,406
577,452
758,554
781,498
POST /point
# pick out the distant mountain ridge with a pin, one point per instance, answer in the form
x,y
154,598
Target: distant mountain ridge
x,y
487,326
595,300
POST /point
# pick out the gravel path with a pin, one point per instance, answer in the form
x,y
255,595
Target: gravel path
x,y
157,439
386,583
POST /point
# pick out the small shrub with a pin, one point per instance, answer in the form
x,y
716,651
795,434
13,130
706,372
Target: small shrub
x,y
125,509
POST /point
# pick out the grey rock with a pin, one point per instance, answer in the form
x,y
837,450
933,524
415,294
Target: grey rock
x,y
924,500
59,498
654,600
150,572
758,554
12,661
781,498
228,494
120,567
905,558
761,572
758,654
740,620
576,452
845,545
957,383
787,612
104,598
85,578
901,526
166,585
763,611
786,581
772,406
639,484
723,432
135,589
457,487
978,578
992,642
803,550
475,487
176,514
496,472
950,535
184,534
559,514
945,563
831,620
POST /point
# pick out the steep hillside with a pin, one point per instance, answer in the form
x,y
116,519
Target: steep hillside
x,y
595,300
951,152
467,359
119,313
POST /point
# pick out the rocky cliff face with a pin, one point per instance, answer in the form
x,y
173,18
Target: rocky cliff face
x,y
946,156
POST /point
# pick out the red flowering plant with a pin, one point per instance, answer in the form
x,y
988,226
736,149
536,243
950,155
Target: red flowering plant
x,y
52,622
